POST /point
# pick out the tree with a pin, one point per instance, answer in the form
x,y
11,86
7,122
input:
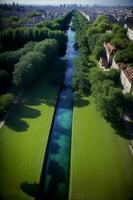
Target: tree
x,y
105,37
5,80
119,43
61,37
124,55
128,105
116,27
9,58
30,67
103,26
114,75
92,41
99,19
5,101
49,47
96,75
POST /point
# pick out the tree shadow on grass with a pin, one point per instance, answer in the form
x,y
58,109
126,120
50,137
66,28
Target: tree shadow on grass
x,y
81,102
30,189
21,111
42,93
123,128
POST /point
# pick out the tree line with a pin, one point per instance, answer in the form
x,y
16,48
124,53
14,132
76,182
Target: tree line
x,y
38,55
16,38
88,78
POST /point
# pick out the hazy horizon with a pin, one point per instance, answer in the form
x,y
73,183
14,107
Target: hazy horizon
x,y
57,2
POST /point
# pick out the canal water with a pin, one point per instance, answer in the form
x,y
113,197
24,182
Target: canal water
x,y
57,161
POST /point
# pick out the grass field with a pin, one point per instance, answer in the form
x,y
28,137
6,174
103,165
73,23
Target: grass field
x,y
23,141
101,163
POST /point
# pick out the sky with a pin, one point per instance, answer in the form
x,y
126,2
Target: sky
x,y
54,2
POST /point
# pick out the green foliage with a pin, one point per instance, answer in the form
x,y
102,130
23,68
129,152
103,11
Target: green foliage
x,y
129,104
124,55
52,25
5,80
92,30
16,38
57,71
119,43
97,52
61,37
5,101
61,23
33,14
116,27
109,99
49,47
102,24
96,75
99,19
80,81
29,68
114,75
105,37
79,22
92,41
9,58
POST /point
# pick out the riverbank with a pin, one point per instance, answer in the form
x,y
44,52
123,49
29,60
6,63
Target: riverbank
x,y
101,162
23,141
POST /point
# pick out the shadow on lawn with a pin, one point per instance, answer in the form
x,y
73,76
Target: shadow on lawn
x,y
42,93
123,128
37,191
81,102
22,111
30,189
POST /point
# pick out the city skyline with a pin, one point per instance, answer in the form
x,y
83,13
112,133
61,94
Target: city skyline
x,y
84,2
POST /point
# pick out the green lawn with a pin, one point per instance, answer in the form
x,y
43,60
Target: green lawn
x,y
23,142
101,163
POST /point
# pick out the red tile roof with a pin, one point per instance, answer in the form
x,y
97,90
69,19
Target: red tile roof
x,y
128,71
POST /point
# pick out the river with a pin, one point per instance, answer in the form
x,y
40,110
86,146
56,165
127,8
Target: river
x,y
57,160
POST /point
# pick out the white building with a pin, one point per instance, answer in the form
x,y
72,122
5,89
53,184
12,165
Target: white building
x,y
126,76
85,15
130,34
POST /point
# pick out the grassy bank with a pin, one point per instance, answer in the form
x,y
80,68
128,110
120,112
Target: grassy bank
x,y
101,163
23,142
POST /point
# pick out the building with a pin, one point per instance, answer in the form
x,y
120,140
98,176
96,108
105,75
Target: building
x,y
103,62
126,76
130,33
110,52
85,15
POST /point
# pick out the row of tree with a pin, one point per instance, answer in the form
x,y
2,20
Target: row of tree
x,y
38,57
61,23
16,38
104,86
80,81
32,65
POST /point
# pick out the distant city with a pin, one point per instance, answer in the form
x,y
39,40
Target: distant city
x,y
121,14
